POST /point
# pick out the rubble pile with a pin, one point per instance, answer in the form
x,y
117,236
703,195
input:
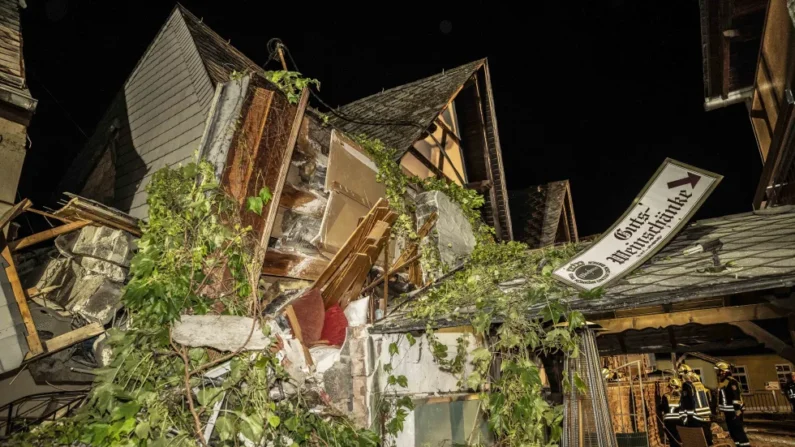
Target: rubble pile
x,y
88,274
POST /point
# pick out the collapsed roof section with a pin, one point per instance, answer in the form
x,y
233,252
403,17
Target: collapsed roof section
x,y
457,105
543,215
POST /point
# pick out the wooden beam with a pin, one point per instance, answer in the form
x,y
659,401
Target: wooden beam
x,y
62,341
51,216
13,212
447,130
701,316
292,318
277,163
427,163
34,239
34,344
769,340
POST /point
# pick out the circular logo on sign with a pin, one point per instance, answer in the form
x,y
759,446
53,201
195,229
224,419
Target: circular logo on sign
x,y
591,272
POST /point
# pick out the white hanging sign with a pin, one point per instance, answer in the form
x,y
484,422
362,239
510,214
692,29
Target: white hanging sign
x,y
665,205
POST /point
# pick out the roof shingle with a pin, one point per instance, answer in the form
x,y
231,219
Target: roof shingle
x,y
416,104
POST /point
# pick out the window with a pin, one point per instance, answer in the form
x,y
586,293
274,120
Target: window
x,y
783,371
449,423
739,373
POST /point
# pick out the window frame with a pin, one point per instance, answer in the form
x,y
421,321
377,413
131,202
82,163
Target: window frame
x,y
747,385
782,376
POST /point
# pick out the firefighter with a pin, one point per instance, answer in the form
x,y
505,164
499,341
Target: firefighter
x,y
694,402
789,390
671,416
730,402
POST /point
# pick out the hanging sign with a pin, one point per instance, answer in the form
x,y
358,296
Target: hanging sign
x,y
665,205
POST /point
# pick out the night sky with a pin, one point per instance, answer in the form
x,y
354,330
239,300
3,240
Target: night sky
x,y
599,94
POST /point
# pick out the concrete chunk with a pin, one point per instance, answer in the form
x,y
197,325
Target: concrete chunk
x,y
105,243
96,298
221,332
452,234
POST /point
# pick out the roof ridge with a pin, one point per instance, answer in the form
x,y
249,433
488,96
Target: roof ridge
x,y
211,45
475,65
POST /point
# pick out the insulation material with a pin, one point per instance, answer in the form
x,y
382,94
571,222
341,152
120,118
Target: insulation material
x,y
339,222
351,169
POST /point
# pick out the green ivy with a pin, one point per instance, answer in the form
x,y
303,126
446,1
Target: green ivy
x,y
193,258
292,83
517,412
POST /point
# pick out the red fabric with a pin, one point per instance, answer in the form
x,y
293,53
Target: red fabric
x,y
309,310
334,326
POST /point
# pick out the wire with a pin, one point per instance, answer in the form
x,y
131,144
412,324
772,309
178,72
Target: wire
x,y
63,109
273,47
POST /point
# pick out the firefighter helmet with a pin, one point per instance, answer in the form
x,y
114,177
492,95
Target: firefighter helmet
x,y
607,374
723,367
684,369
675,382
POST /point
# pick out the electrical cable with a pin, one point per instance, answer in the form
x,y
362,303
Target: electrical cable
x,y
273,47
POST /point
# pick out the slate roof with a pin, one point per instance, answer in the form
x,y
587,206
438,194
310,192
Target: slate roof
x,y
758,253
13,84
418,102
536,212
219,57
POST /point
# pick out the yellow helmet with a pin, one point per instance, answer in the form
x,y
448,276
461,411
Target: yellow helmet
x,y
684,369
606,373
723,367
693,377
675,382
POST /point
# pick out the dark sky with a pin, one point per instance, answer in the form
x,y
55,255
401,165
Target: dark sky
x,y
599,93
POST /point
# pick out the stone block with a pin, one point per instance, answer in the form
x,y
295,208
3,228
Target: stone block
x,y
221,332
452,234
104,268
105,243
96,298
338,384
61,273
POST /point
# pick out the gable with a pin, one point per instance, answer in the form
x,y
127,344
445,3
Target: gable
x,y
157,119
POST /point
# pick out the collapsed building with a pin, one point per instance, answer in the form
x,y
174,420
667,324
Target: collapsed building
x,y
326,229
327,233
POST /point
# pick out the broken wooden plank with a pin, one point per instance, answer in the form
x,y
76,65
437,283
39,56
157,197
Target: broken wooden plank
x,y
14,211
361,264
386,277
51,216
34,344
276,163
34,239
78,335
293,265
292,318
392,271
344,251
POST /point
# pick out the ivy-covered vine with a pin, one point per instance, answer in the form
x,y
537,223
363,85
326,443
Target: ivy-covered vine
x,y
529,316
193,259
